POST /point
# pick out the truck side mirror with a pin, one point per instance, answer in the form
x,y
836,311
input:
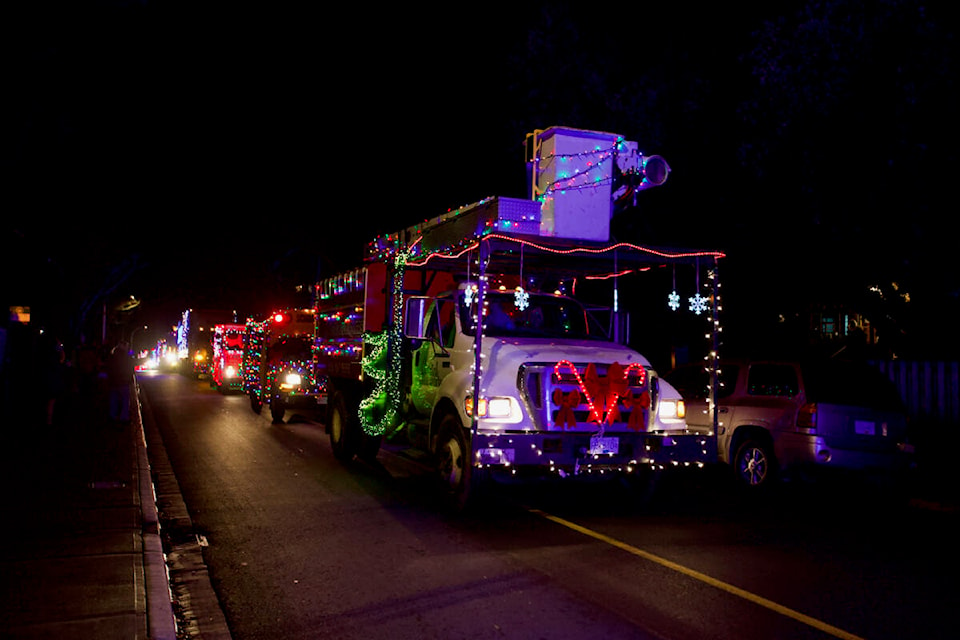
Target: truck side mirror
x,y
415,317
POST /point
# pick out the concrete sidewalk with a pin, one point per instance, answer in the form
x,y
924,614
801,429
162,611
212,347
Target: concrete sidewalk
x,y
82,556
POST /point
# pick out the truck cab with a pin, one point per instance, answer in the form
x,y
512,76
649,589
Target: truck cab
x,y
553,384
225,367
279,364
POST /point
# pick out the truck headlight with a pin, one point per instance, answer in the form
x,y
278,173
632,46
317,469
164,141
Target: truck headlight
x,y
230,372
291,380
670,409
499,408
505,408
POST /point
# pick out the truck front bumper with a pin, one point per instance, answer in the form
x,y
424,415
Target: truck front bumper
x,y
304,398
573,454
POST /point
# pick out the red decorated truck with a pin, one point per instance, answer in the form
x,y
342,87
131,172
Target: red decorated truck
x,y
279,364
227,359
466,338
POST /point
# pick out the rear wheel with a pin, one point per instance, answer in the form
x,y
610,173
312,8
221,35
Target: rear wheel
x,y
754,464
340,427
255,402
369,446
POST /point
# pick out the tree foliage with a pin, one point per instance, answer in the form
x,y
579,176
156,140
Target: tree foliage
x,y
851,118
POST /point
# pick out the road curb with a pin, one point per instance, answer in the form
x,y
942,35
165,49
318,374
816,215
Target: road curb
x,y
199,613
161,621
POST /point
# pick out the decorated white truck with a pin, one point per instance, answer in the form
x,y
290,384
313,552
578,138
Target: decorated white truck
x,y
461,337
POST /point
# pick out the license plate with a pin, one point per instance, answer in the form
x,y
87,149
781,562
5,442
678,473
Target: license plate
x,y
864,428
600,446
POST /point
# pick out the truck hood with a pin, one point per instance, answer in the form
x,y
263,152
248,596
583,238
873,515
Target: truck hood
x,y
513,352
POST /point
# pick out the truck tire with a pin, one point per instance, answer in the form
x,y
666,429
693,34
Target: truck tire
x,y
458,482
255,403
277,409
341,428
754,464
369,446
644,485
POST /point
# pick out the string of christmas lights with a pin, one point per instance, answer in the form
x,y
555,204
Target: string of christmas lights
x,y
379,410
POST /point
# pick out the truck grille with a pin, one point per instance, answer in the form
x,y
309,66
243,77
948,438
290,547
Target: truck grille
x,y
581,396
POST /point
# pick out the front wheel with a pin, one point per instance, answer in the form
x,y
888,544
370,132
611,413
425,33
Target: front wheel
x,y
644,485
255,403
459,483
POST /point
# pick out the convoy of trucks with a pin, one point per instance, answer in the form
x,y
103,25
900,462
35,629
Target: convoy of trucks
x,y
491,341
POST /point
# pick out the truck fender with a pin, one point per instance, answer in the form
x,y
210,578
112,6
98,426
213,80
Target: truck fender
x,y
453,390
441,409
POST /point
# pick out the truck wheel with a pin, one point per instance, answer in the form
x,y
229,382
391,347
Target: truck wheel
x,y
340,426
369,446
255,403
644,485
754,464
459,484
277,409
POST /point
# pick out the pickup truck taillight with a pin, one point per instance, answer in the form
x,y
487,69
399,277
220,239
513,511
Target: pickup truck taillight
x,y
807,416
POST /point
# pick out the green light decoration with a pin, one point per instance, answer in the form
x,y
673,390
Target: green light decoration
x,y
379,410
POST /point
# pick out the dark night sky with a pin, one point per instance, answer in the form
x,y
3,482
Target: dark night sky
x,y
192,135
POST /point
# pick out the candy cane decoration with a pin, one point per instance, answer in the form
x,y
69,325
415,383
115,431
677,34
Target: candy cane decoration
x,y
611,388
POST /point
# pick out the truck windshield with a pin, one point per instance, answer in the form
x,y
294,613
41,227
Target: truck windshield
x,y
290,348
233,340
544,316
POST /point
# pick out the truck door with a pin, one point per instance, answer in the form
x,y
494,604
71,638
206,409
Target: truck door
x,y
431,360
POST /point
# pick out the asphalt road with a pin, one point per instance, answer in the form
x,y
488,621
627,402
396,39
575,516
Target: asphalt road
x,y
298,545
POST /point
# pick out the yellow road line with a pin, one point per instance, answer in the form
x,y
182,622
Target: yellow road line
x,y
702,577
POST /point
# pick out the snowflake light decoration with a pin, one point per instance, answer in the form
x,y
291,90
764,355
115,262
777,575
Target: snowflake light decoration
x,y
698,304
468,295
673,300
521,298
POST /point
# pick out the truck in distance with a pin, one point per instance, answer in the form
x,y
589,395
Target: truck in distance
x,y
279,367
227,357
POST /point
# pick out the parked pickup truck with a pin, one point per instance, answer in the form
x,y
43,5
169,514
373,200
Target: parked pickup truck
x,y
777,417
